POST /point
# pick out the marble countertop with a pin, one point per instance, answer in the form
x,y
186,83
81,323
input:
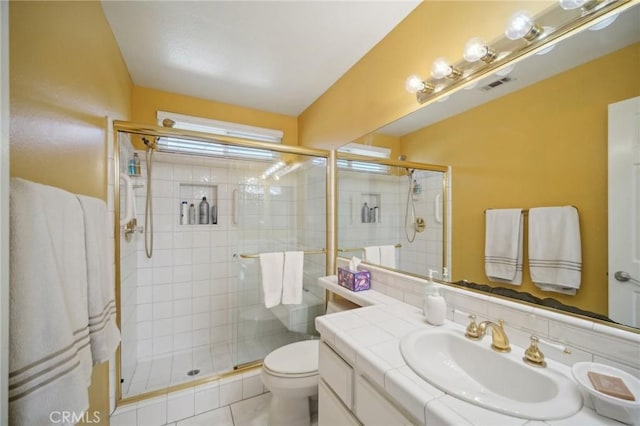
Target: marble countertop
x,y
368,338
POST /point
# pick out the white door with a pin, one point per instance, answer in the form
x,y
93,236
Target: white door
x,y
624,212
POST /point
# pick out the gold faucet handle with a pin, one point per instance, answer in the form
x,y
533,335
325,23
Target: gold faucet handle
x,y
533,355
472,329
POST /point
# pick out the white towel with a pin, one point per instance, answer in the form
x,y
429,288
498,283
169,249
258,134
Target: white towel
x,y
103,331
503,245
271,267
49,355
555,255
388,256
292,278
372,254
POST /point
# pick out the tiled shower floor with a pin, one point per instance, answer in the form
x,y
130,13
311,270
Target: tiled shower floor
x,y
161,372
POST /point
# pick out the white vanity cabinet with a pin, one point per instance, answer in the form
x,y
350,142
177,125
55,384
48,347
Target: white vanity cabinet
x,y
347,398
374,409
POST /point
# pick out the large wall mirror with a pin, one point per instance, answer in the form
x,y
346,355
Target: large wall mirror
x,y
536,137
392,213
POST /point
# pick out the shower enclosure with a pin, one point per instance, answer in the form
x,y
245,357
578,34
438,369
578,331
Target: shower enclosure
x,y
195,309
406,205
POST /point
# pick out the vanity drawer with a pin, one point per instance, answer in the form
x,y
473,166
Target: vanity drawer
x,y
337,373
373,409
331,411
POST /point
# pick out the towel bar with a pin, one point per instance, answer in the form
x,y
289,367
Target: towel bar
x,y
344,250
257,255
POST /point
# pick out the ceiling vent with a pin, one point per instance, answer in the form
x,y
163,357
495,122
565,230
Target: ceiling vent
x,y
496,83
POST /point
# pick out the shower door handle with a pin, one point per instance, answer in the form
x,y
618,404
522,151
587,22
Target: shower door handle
x,y
234,207
437,207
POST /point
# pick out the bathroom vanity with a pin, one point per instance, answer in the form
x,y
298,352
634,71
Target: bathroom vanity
x,y
366,380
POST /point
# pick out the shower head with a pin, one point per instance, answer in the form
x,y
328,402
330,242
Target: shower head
x,y
410,172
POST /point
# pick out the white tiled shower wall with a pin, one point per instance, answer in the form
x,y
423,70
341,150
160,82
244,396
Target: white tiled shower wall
x,y
196,290
426,251
390,192
185,290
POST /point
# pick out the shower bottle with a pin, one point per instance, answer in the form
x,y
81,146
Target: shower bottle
x,y
203,216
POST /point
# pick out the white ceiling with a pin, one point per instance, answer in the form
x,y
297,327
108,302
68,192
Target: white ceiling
x,y
276,56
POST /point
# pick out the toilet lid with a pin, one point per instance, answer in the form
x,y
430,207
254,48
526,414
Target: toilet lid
x,y
295,358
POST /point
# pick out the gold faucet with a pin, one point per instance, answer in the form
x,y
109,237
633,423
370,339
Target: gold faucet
x,y
499,339
533,355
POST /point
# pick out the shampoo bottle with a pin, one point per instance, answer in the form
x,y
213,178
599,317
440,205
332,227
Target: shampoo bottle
x,y
365,214
435,307
203,216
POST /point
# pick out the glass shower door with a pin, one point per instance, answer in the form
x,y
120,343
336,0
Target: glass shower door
x,y
279,213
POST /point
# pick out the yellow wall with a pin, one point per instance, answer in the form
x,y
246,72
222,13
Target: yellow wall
x,y
542,146
146,102
66,75
371,94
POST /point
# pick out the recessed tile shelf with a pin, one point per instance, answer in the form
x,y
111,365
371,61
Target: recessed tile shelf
x,y
192,193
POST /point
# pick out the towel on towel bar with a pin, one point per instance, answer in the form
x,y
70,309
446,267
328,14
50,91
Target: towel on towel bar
x,y
271,267
388,256
292,278
49,354
555,254
503,245
372,254
103,331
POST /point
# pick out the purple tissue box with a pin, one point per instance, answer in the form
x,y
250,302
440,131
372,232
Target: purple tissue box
x,y
354,281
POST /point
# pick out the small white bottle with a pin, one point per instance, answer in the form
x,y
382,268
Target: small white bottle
x,y
434,305
184,213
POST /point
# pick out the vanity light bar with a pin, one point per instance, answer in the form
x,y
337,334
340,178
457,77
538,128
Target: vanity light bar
x,y
523,34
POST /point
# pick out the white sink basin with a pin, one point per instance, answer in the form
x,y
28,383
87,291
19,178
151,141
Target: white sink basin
x,y
470,370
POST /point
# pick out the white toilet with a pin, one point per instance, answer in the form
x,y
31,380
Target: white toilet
x,y
291,374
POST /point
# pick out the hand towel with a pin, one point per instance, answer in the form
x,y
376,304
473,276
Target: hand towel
x,y
49,354
372,254
292,278
555,254
271,267
103,331
388,256
503,245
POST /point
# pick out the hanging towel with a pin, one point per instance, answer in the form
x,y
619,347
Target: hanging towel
x,y
503,245
271,267
388,256
103,331
372,254
49,354
292,278
555,256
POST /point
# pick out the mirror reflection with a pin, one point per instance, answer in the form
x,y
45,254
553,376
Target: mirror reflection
x,y
537,140
392,215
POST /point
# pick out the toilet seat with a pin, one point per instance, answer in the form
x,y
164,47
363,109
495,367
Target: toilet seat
x,y
299,359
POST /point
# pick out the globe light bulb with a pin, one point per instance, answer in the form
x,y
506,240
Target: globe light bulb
x,y
440,68
476,49
521,25
413,84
